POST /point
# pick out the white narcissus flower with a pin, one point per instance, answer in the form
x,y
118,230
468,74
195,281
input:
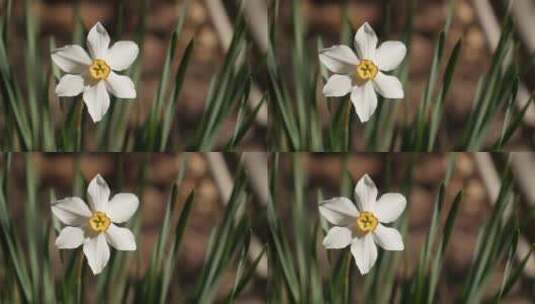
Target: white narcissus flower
x,y
362,226
362,74
95,227
94,74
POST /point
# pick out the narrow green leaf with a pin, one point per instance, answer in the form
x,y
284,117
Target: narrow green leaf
x,y
170,111
438,107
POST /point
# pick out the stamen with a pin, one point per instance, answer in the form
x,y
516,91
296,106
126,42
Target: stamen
x,y
99,222
366,70
366,222
99,70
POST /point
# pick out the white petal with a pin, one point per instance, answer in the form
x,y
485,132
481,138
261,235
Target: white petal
x,y
389,55
337,238
71,59
388,238
366,194
337,85
97,252
97,100
70,85
71,211
365,252
99,194
121,238
388,86
121,86
338,211
121,55
69,238
98,41
122,206
364,101
366,42
389,207
339,59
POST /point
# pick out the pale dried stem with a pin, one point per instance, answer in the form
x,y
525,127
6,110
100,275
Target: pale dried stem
x,y
253,14
254,163
491,28
492,183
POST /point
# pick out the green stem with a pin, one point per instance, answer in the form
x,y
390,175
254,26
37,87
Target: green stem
x,y
80,276
347,118
79,126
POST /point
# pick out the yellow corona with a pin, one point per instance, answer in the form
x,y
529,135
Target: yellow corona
x,y
366,70
99,222
366,222
99,70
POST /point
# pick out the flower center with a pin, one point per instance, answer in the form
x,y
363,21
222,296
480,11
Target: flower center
x,y
99,70
366,70
365,222
99,222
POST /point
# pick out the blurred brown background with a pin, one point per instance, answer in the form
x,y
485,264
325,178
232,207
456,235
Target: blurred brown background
x,y
123,172
56,19
323,172
324,20
325,17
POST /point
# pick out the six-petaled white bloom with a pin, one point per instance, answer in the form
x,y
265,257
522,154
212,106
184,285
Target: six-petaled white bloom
x,y
362,75
94,74
94,226
362,228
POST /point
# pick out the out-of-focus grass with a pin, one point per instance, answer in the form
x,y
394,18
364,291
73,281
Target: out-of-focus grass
x,y
27,249
294,250
297,125
297,272
28,123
